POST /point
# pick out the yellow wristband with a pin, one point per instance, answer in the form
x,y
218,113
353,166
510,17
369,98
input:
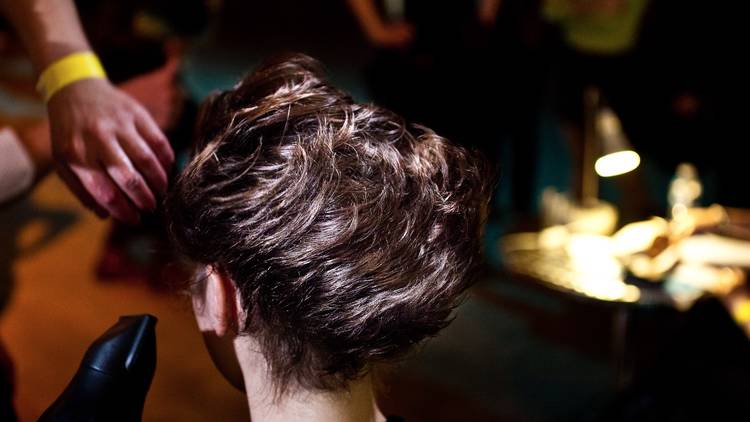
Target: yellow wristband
x,y
741,311
69,69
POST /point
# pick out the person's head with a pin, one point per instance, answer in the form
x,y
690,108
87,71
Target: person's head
x,y
339,236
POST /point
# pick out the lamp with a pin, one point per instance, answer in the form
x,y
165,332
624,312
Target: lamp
x,y
605,153
616,156
606,149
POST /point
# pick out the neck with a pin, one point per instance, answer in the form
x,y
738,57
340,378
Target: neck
x,y
356,404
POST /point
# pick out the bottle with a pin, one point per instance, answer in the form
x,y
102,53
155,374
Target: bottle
x,y
684,191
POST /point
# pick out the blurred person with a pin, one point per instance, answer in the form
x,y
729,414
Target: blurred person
x,y
328,237
321,29
679,92
597,41
597,27
133,37
382,33
694,88
107,147
518,68
430,62
598,50
458,54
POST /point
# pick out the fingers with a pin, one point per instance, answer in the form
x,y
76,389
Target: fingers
x,y
107,194
105,181
156,140
120,169
144,160
110,151
99,188
79,191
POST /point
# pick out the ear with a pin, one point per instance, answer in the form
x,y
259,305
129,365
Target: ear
x,y
216,310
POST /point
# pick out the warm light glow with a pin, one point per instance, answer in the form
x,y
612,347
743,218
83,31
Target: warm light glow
x,y
617,163
638,237
582,263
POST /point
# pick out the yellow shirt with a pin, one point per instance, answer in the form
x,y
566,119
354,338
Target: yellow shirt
x,y
604,27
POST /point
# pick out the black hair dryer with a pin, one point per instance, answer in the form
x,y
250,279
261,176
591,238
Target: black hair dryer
x,y
114,377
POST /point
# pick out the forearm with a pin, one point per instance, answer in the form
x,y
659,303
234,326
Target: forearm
x,y
488,10
49,29
367,15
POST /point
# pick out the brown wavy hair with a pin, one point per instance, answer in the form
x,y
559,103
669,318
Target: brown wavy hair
x,y
350,234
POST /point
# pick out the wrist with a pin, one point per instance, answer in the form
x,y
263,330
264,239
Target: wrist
x,y
67,70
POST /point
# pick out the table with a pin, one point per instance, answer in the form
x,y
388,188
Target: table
x,y
584,268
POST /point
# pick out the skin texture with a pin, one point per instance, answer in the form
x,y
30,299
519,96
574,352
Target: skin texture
x,y
156,91
380,33
218,313
106,146
400,35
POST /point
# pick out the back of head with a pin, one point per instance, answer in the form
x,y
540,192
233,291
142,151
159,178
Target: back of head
x,y
350,234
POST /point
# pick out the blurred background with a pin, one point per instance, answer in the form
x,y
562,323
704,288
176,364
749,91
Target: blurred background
x,y
617,243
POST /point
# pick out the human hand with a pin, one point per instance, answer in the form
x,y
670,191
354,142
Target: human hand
x,y
487,11
108,149
159,92
397,35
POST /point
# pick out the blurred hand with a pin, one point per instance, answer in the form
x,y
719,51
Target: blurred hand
x,y
108,149
396,35
487,12
158,92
